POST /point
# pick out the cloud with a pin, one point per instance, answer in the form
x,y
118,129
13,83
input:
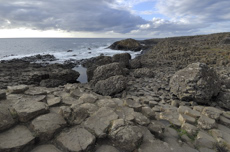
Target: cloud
x,y
69,15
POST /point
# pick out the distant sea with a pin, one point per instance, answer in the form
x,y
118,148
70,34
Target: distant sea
x,y
82,48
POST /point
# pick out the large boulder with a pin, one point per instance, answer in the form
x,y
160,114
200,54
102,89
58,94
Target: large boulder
x,y
106,71
196,82
122,58
126,45
111,86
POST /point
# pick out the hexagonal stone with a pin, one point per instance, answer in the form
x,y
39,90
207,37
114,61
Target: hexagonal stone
x,y
185,118
141,119
16,139
76,140
127,138
46,148
205,140
6,120
17,89
225,121
52,100
46,125
206,123
88,98
212,112
36,91
27,109
189,128
100,121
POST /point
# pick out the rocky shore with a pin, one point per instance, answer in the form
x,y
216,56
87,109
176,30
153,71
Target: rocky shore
x,y
146,104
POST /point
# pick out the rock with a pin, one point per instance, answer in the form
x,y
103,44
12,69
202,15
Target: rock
x,y
203,149
76,140
36,91
148,112
17,89
125,113
133,104
191,129
143,72
46,148
111,86
106,71
223,100
106,148
66,75
51,83
226,40
212,112
46,125
100,121
171,116
126,45
106,103
188,111
27,109
127,138
186,118
7,120
16,139
226,114
155,145
205,140
122,58
206,123
135,63
2,95
196,82
141,119
156,128
52,100
78,114
225,121
88,98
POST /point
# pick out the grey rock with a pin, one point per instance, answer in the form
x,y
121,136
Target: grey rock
x,y
205,140
122,58
76,140
156,128
16,139
141,119
106,148
46,148
52,100
6,118
27,109
125,113
196,82
99,123
36,91
111,86
88,98
212,112
127,138
223,100
205,122
46,125
135,63
2,95
143,72
127,44
17,89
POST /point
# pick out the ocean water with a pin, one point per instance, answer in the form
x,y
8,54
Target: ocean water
x,y
82,48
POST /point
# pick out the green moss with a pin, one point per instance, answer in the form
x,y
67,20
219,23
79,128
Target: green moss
x,y
182,132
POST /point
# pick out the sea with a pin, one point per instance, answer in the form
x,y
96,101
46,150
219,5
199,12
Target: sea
x,y
62,48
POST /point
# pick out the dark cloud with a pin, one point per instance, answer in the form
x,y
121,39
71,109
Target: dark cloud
x,y
70,15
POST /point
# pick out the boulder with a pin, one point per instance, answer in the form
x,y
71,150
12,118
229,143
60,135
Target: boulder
x,y
106,71
143,72
66,75
51,83
2,95
126,45
111,86
135,63
196,82
16,139
106,148
17,89
122,58
46,148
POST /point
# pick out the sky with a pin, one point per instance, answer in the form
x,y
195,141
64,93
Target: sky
x,y
112,18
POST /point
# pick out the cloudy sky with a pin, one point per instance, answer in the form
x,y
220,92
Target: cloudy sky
x,y
112,18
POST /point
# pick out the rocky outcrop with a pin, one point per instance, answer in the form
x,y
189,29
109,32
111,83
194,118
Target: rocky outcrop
x,y
17,72
223,100
143,72
122,58
126,45
196,82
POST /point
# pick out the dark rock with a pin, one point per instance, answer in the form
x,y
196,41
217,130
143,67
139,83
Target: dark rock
x,y
226,40
111,86
196,82
126,45
135,63
122,58
97,61
223,100
46,148
6,119
143,72
70,51
2,95
51,83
